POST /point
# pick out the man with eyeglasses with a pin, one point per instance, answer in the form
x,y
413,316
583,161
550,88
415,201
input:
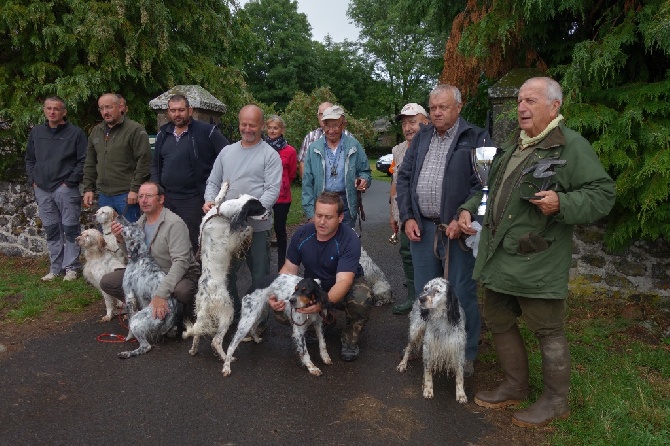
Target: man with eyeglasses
x,y
118,160
435,178
337,163
166,235
314,135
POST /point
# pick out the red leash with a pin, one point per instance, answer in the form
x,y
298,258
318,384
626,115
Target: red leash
x,y
114,338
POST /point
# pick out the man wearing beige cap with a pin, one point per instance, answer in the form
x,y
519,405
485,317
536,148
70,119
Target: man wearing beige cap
x,y
336,162
411,116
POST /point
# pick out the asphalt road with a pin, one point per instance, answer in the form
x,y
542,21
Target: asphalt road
x,y
71,389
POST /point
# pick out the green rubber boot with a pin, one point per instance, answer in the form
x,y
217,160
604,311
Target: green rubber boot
x,y
404,307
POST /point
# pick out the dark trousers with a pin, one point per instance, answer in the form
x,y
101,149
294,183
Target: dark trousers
x,y
189,210
280,211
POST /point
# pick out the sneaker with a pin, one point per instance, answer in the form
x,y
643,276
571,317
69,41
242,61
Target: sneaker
x,y
468,368
349,352
70,275
49,277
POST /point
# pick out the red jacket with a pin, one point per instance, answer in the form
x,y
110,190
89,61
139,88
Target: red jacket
x,y
289,162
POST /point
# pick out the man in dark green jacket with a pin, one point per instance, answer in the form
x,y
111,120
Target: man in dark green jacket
x,y
118,160
544,182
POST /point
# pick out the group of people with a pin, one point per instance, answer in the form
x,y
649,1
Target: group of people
x,y
525,243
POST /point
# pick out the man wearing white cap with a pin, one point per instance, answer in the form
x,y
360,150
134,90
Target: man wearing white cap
x,y
435,179
336,162
412,116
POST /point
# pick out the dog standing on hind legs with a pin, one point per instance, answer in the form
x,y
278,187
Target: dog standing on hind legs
x,y
437,324
223,232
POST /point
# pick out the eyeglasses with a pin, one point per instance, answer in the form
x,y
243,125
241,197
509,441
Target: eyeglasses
x,y
147,196
332,128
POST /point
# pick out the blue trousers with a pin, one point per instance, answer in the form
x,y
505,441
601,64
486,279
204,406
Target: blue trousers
x,y
120,204
461,264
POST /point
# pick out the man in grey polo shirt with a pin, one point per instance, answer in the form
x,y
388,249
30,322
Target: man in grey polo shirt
x,y
435,178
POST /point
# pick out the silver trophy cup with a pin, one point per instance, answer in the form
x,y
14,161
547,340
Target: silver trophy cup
x,y
482,157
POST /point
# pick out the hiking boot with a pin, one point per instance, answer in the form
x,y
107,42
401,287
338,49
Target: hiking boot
x,y
349,352
49,277
404,307
513,359
70,275
553,403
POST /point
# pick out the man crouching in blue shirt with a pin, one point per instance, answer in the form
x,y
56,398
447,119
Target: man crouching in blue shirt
x,y
330,251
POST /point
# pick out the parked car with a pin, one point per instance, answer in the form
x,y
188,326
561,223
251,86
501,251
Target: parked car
x,y
384,162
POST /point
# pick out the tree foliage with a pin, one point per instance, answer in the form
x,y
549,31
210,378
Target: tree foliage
x,y
79,49
612,58
281,60
406,53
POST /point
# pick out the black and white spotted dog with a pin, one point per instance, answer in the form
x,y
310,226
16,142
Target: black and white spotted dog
x,y
298,293
140,280
223,233
437,323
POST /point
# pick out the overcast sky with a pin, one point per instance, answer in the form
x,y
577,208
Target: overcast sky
x,y
327,17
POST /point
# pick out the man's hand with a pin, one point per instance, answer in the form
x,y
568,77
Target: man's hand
x,y
277,305
465,222
88,199
412,230
132,197
159,308
361,184
117,229
207,206
547,201
453,231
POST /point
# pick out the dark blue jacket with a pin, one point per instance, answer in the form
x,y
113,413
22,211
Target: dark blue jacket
x,y
54,158
205,143
460,180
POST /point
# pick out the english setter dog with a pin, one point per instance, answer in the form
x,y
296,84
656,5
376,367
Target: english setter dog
x,y
376,279
437,323
105,216
140,280
99,261
298,293
223,233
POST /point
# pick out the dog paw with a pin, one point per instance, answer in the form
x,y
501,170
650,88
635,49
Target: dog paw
x,y
226,369
193,351
327,360
402,367
124,355
428,393
462,399
105,318
314,371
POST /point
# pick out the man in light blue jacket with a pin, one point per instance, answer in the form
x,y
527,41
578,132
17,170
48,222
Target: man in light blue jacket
x,y
335,162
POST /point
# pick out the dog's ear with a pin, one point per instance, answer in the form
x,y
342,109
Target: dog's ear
x,y
101,242
319,294
453,308
251,208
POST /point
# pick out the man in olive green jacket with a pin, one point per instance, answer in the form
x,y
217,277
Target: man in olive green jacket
x,y
547,180
118,160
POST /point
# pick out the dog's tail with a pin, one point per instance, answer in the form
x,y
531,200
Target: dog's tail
x,y
453,306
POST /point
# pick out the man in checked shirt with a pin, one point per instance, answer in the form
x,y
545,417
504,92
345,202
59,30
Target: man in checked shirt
x,y
435,178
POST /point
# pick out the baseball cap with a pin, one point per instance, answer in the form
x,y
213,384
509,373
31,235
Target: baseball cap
x,y
411,109
334,112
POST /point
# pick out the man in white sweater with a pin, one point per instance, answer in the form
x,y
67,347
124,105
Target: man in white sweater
x,y
249,166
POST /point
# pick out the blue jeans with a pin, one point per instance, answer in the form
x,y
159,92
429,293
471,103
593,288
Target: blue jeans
x,y
461,265
120,204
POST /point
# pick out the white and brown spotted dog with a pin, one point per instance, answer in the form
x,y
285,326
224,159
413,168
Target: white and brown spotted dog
x,y
223,233
99,261
298,293
437,324
105,216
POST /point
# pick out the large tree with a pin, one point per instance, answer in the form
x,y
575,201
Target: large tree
x,y
79,49
407,54
281,56
613,59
